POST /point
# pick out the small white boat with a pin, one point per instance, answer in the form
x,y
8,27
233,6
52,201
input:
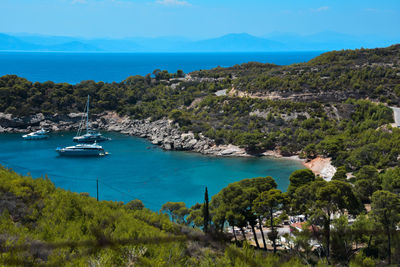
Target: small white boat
x,y
82,150
41,134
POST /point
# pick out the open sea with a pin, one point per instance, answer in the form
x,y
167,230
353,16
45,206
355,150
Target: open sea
x,y
135,168
110,67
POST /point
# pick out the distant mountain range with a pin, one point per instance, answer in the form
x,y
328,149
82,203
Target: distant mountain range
x,y
236,42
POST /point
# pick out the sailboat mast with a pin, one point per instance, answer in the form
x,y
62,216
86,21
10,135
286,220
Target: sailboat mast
x,y
87,114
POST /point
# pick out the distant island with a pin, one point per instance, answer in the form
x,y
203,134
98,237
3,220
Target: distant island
x,y
235,42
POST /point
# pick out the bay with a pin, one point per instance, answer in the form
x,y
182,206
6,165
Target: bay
x,y
109,67
137,169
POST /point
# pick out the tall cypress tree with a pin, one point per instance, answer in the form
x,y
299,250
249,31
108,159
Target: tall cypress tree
x,y
206,212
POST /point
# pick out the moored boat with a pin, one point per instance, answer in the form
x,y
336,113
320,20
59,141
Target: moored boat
x,y
38,135
82,150
91,135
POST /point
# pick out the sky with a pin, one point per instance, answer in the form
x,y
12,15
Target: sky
x,y
199,19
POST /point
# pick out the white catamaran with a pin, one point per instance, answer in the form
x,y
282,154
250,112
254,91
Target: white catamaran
x,y
90,136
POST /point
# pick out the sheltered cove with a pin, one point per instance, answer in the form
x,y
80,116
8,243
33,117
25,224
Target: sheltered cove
x,y
161,132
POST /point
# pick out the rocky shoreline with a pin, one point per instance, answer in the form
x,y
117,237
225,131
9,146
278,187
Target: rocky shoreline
x,y
163,133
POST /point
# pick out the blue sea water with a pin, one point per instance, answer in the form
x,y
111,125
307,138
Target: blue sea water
x,y
109,67
137,169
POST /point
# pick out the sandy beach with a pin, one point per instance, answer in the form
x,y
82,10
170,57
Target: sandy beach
x,y
322,167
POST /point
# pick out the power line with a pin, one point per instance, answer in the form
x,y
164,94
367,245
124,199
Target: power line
x,y
97,185
127,194
50,174
117,190
57,176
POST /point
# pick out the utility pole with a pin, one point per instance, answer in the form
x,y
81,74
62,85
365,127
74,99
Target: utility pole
x,y
97,183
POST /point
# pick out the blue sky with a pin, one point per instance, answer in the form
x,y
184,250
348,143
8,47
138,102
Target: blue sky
x,y
197,19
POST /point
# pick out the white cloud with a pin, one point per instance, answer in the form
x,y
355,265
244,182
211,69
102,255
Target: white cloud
x,y
172,3
320,9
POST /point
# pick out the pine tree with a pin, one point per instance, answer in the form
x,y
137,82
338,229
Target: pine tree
x,y
206,212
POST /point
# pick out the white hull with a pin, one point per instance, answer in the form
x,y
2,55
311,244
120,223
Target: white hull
x,y
34,137
82,150
90,139
38,135
80,153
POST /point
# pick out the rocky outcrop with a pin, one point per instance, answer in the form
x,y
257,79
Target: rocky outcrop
x,y
161,132
167,135
56,122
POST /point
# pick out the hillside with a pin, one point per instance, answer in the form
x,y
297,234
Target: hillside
x,y
34,212
326,107
41,225
331,77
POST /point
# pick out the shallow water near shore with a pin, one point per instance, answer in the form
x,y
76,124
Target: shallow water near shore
x,y
137,169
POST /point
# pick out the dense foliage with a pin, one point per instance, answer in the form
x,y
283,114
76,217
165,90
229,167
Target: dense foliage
x,y
41,224
327,235
331,77
44,225
33,210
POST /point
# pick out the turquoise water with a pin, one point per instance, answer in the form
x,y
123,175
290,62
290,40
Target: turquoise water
x,y
137,169
109,67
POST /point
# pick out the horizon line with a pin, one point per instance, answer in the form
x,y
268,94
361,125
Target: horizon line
x,y
264,35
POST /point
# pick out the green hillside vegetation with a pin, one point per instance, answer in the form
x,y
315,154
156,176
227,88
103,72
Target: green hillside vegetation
x,y
353,133
359,74
370,239
33,210
331,77
43,225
